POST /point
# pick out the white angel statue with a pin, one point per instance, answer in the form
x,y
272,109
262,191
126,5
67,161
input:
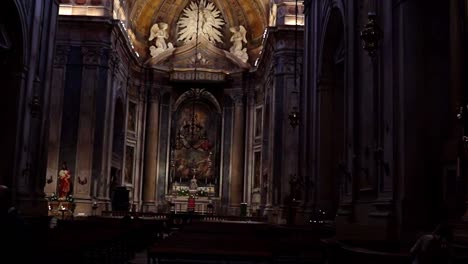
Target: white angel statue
x,y
159,32
238,37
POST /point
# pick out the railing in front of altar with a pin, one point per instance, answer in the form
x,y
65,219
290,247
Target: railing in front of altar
x,y
198,217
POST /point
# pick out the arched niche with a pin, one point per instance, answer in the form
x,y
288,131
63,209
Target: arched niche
x,y
195,144
331,123
12,56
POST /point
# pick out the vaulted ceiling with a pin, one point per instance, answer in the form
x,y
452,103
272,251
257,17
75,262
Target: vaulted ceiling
x,y
252,14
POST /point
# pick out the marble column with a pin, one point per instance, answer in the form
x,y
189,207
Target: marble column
x,y
104,167
85,145
151,152
55,114
237,161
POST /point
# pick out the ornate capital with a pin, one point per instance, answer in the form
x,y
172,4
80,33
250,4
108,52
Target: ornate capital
x,y
92,55
371,35
114,61
237,97
61,55
155,93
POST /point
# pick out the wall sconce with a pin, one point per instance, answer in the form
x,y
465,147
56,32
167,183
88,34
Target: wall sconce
x,y
35,106
50,180
82,182
371,35
294,117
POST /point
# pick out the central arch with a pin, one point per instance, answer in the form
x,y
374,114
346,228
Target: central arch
x,y
195,144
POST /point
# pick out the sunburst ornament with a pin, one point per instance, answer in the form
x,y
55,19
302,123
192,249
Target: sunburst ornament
x,y
209,23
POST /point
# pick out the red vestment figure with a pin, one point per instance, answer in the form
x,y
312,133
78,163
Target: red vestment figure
x,y
64,182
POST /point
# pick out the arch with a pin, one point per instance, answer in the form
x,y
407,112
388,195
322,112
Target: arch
x,y
331,112
331,9
195,148
12,60
24,30
202,94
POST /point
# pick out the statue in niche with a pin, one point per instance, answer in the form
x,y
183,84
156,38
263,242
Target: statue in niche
x,y
159,33
193,184
238,36
64,181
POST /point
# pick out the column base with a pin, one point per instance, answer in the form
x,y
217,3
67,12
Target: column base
x,y
366,221
233,210
84,207
149,206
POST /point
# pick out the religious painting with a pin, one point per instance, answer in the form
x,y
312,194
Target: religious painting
x,y
131,121
258,121
195,149
129,164
257,169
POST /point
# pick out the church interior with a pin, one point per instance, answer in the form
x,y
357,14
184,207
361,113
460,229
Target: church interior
x,y
233,131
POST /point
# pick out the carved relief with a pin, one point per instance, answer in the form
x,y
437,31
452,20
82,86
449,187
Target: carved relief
x,y
204,18
197,60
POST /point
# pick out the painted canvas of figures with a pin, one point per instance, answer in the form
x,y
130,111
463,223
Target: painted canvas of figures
x,y
129,157
131,121
194,152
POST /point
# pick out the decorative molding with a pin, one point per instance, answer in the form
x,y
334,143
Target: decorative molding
x,y
209,59
200,75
